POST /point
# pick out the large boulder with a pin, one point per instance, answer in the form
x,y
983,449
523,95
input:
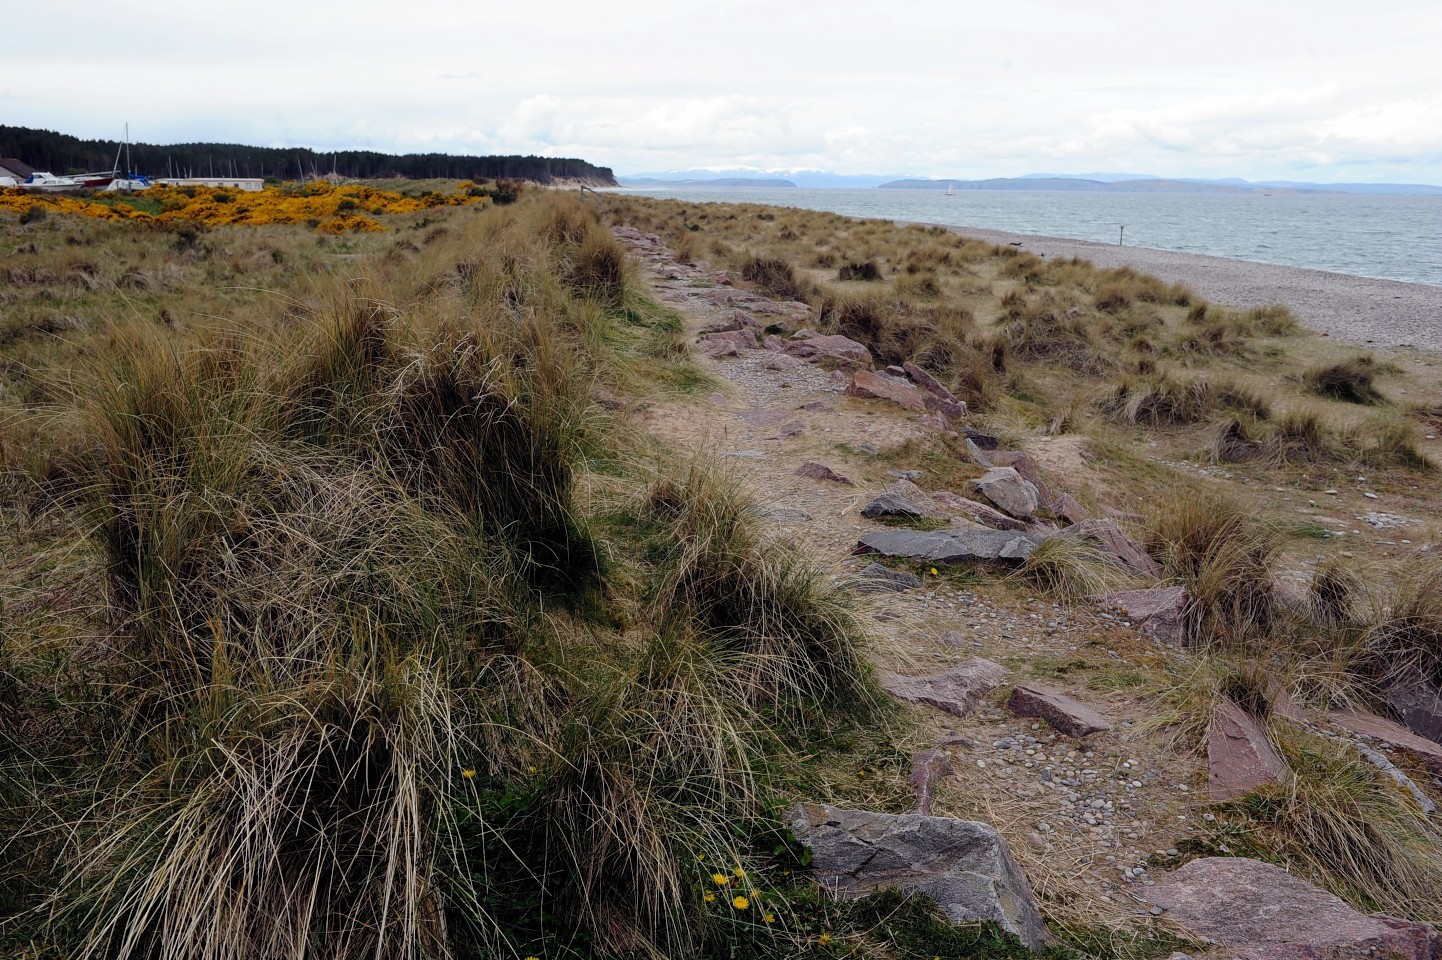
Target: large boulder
x,y
876,386
956,691
837,350
1010,491
1158,612
1002,547
1071,717
964,866
1240,757
1256,911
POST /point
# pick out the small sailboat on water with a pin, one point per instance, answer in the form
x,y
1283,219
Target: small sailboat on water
x,y
950,189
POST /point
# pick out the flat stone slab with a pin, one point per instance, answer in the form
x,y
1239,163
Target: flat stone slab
x,y
964,866
984,514
1240,758
1110,539
875,578
820,471
874,386
1365,724
839,350
1256,911
1071,717
1419,704
1010,491
979,545
1158,612
956,691
905,499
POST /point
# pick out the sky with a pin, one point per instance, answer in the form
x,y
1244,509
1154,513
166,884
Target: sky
x,y
1280,89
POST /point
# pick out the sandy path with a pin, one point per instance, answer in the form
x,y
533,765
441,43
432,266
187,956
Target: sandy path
x,y
1359,309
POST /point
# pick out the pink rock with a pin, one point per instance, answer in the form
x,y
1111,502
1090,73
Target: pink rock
x,y
817,406
781,362
928,383
1256,911
773,342
1365,724
1010,491
927,767
957,691
839,350
820,471
1419,703
1023,465
981,513
1158,612
1111,540
1071,717
1240,758
790,429
737,339
864,383
1066,507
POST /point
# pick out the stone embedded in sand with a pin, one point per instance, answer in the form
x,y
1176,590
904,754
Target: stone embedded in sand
x,y
984,440
773,342
1071,717
1256,911
903,499
1419,704
927,382
875,386
1109,537
1023,465
1158,612
964,866
820,471
876,578
781,362
927,767
956,691
1240,758
738,321
727,344
1066,507
817,406
987,516
1004,547
1365,724
977,454
839,350
1010,491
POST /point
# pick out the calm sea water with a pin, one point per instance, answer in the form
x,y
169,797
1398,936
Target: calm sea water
x,y
1394,238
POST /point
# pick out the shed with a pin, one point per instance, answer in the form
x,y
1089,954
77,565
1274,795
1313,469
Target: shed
x,y
10,167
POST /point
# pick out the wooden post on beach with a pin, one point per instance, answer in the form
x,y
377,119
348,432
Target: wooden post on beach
x,y
1122,234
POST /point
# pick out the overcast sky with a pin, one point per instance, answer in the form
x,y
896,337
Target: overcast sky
x,y
1262,89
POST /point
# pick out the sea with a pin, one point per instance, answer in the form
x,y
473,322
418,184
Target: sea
x,y
1387,237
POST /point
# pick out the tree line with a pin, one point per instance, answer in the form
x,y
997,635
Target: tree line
x,y
61,153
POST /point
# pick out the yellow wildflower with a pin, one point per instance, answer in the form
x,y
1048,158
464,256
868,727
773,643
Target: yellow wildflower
x,y
740,874
769,918
469,773
709,897
934,572
824,939
740,903
720,879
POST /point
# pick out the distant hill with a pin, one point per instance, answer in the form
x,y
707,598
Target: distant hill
x,y
61,153
1075,185
707,182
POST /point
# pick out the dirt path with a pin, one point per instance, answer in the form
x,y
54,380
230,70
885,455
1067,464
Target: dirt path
x,y
1079,814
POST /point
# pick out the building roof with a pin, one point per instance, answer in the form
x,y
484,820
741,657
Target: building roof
x,y
16,169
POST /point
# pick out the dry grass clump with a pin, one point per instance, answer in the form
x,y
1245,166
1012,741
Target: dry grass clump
x,y
1223,554
1404,636
1048,328
1161,400
1303,437
1071,568
773,276
1350,381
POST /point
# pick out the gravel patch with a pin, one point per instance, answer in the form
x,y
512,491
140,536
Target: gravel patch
x,y
1359,309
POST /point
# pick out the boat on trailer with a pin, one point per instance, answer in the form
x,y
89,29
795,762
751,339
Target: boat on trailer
x,y
41,182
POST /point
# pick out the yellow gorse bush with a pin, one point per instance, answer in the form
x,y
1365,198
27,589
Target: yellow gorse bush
x,y
335,209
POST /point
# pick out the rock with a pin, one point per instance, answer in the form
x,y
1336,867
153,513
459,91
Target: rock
x,y
820,471
983,514
817,406
1071,717
1158,612
773,342
781,362
904,499
1004,547
895,371
1257,911
738,321
956,691
778,513
1011,492
950,409
876,578
1419,705
964,866
984,440
838,350
1379,760
864,383
927,382
1066,507
719,349
792,429
733,340
1365,724
927,767
1109,537
1240,758
1023,465
977,454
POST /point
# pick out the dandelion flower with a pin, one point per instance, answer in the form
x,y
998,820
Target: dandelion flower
x,y
720,879
740,903
934,572
740,874
700,858
469,773
709,897
532,770
824,939
769,918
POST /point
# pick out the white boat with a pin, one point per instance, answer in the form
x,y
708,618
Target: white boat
x,y
40,182
950,189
